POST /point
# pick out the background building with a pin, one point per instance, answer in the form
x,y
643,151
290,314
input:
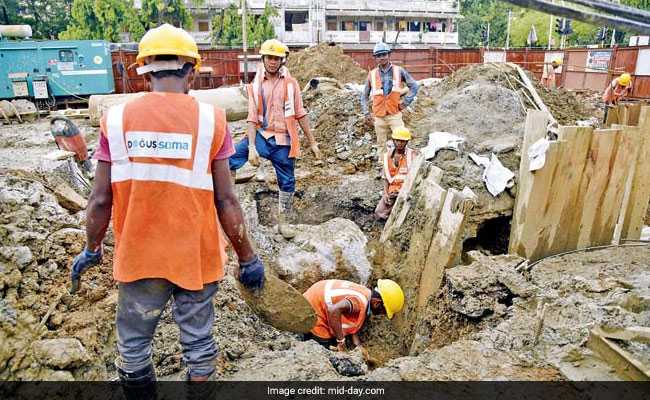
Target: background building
x,y
351,23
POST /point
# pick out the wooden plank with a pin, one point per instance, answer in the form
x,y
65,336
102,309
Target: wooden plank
x,y
531,205
630,334
637,205
446,244
561,218
630,172
535,129
612,199
623,362
595,180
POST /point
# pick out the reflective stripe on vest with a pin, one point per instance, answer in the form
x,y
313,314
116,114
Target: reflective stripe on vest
x,y
123,169
330,293
377,85
401,174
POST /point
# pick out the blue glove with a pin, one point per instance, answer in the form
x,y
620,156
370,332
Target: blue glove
x,y
251,274
82,262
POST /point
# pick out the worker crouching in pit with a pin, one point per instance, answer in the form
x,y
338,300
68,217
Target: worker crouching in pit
x,y
163,176
396,167
342,308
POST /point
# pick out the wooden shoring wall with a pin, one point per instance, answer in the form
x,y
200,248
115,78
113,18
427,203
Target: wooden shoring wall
x,y
591,186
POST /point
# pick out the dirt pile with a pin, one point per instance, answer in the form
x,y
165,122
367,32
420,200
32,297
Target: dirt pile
x,y
325,60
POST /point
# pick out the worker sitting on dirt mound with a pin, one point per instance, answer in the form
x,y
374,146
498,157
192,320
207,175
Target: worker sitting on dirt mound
x,y
548,74
342,308
618,89
163,171
274,112
68,137
396,167
384,85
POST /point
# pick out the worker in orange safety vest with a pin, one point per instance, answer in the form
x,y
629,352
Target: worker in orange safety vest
x,y
618,89
396,167
385,86
163,176
548,74
342,308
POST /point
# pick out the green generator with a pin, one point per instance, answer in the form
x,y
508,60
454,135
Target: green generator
x,y
53,69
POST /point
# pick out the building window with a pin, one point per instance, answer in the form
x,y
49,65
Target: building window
x,y
348,26
204,26
379,26
331,23
292,18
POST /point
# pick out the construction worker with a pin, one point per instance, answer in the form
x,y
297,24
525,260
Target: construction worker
x,y
342,308
68,137
274,112
618,89
385,84
396,167
163,176
548,74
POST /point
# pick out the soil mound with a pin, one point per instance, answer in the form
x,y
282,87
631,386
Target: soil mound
x,y
325,60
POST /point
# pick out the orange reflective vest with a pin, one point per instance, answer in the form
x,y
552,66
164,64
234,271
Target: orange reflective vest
x,y
396,174
164,218
329,292
385,105
290,87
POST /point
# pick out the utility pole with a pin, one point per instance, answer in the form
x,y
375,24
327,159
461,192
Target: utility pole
x,y
488,37
244,17
550,31
508,31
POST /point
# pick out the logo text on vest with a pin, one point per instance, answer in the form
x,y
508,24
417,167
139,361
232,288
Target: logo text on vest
x,y
159,145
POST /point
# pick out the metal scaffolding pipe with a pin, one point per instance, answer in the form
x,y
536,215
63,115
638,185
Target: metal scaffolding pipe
x,y
584,16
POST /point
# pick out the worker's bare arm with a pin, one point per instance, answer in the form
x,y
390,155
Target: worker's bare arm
x,y
229,211
334,313
100,203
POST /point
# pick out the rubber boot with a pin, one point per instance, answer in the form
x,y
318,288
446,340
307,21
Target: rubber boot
x,y
285,200
202,390
139,385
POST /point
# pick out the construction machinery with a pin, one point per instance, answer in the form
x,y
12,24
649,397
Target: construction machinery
x,y
47,71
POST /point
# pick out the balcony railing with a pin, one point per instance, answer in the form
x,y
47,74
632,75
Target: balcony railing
x,y
403,38
388,5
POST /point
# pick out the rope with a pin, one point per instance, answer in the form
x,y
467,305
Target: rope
x,y
66,90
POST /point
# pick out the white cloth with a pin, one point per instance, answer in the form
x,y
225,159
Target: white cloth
x,y
537,154
496,177
439,141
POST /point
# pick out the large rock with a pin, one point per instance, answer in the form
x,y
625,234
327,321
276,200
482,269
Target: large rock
x,y
335,249
60,353
304,361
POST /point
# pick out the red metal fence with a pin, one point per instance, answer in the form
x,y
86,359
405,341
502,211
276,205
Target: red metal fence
x,y
582,69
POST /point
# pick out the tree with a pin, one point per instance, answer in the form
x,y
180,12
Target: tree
x,y
103,19
477,15
226,27
46,17
157,12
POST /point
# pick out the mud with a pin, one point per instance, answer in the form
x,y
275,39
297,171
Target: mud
x,y
325,60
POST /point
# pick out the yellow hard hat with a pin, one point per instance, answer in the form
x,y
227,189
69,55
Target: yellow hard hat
x,y
558,61
168,40
274,47
401,134
391,295
625,79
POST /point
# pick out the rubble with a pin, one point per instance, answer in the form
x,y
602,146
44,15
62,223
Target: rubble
x,y
325,61
60,353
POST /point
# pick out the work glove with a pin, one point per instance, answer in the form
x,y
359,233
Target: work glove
x,y
82,262
251,274
370,120
253,157
314,149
